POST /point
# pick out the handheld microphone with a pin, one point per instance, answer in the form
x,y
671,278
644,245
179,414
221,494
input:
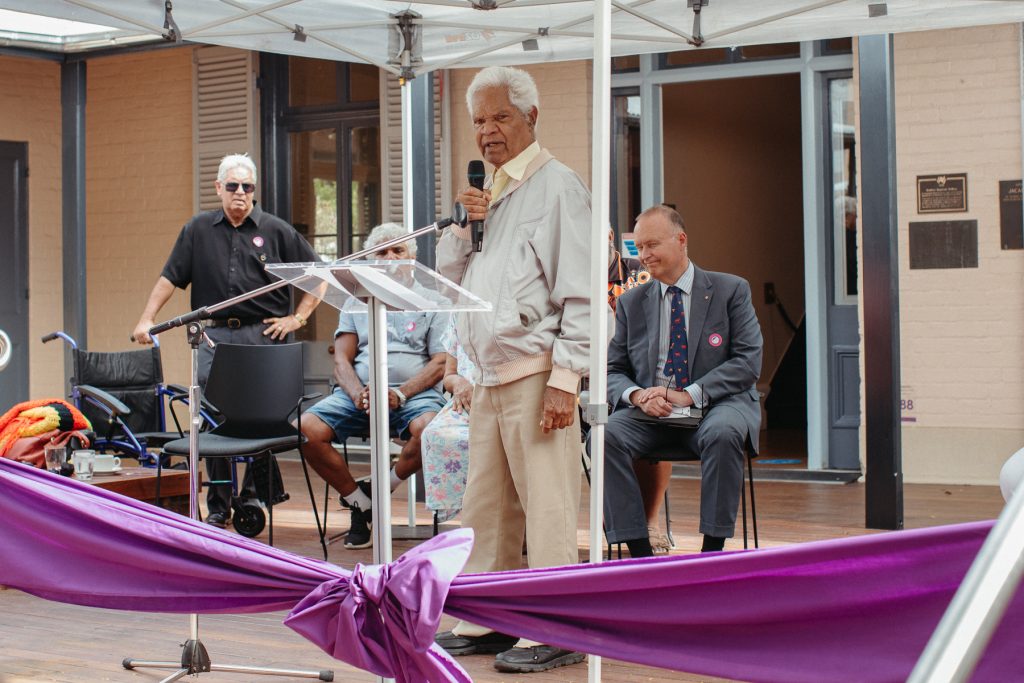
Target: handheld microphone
x,y
475,173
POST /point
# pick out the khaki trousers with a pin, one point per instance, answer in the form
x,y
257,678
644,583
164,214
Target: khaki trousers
x,y
520,478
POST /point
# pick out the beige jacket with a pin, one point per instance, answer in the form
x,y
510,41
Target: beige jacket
x,y
534,269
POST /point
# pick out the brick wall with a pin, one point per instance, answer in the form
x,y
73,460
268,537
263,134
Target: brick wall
x,y
31,113
958,108
563,126
140,187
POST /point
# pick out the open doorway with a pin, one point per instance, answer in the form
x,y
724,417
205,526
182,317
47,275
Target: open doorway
x,y
733,169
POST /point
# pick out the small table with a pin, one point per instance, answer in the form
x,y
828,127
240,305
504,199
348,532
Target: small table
x,y
140,483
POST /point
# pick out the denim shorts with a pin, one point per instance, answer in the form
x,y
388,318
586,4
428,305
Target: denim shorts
x,y
340,414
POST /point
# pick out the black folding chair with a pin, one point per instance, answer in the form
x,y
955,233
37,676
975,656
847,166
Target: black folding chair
x,y
257,389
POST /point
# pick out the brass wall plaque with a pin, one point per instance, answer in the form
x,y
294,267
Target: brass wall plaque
x,y
945,193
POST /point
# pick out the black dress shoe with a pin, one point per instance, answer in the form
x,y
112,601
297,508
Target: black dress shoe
x,y
490,643
217,519
528,660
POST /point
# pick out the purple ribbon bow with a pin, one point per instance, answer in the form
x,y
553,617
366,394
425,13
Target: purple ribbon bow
x,y
382,618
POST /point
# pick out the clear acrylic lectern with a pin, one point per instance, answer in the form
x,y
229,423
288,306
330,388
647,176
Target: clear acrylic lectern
x,y
379,286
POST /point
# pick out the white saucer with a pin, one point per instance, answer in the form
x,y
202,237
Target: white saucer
x,y
102,472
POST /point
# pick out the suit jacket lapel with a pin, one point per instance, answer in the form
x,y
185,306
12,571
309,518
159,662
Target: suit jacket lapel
x,y
652,314
700,300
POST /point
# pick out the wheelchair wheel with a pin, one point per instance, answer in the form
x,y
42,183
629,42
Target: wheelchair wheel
x,y
249,519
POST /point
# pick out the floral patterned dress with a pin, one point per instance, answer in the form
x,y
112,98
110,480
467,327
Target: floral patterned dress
x,y
445,444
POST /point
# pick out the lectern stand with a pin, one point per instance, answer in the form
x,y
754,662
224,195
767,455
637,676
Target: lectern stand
x,y
376,287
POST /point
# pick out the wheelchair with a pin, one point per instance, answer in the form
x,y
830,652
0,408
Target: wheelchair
x,y
123,395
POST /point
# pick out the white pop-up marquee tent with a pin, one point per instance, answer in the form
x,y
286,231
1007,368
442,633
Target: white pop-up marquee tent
x,y
413,38
460,33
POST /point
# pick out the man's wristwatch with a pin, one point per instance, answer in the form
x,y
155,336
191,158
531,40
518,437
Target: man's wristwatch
x,y
302,321
401,397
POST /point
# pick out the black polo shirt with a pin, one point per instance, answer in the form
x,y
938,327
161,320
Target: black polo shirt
x,y
221,261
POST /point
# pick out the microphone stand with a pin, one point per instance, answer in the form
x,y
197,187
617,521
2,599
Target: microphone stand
x,y
194,657
458,217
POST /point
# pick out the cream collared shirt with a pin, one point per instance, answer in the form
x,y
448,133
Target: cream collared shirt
x,y
513,169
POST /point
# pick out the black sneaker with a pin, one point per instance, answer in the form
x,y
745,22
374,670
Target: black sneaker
x,y
489,643
359,531
528,660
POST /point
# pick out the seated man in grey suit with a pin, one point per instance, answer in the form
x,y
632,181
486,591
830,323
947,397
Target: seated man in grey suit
x,y
689,337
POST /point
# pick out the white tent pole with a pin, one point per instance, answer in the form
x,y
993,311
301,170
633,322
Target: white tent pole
x,y
600,179
960,639
380,435
382,550
408,202
408,187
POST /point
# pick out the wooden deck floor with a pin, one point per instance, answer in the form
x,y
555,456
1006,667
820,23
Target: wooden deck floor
x,y
47,641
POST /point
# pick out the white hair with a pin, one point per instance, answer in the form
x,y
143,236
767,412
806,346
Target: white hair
x,y
522,91
850,204
233,161
389,231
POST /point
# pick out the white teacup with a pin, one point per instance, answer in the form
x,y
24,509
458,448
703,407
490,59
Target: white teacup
x,y
104,462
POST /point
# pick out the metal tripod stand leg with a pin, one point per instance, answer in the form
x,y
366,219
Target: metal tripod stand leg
x,y
194,657
195,660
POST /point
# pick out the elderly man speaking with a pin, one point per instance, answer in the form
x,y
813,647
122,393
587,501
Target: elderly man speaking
x,y
530,351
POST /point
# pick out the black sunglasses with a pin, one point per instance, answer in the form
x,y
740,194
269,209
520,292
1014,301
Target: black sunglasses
x,y
248,188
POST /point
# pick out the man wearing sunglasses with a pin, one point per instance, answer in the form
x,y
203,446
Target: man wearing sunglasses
x,y
222,254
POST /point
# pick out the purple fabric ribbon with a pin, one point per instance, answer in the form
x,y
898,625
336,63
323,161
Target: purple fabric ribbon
x,y
391,611
853,609
134,556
